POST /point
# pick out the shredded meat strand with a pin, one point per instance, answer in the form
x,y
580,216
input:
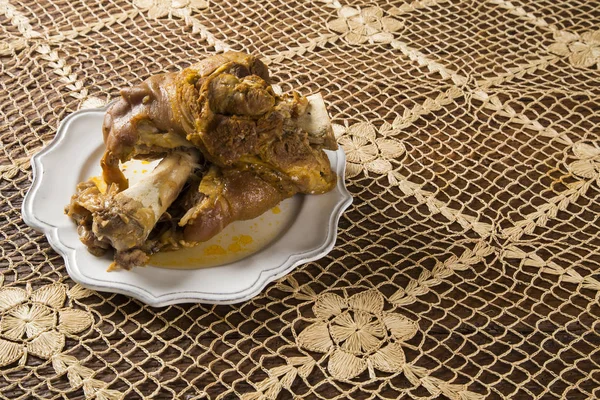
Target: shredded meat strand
x,y
257,147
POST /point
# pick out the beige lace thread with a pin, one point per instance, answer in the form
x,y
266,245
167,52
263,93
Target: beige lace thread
x,y
466,267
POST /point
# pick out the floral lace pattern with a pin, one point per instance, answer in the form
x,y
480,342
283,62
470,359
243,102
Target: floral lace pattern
x,y
165,8
588,163
365,151
355,336
583,50
35,322
466,268
358,334
358,26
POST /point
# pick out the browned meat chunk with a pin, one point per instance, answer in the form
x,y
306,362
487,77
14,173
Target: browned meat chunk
x,y
261,148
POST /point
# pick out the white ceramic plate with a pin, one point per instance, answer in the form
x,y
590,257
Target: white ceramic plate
x,y
235,266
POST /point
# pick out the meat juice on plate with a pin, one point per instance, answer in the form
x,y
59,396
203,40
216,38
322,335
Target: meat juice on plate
x,y
238,240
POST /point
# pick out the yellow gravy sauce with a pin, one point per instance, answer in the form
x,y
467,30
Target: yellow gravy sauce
x,y
237,241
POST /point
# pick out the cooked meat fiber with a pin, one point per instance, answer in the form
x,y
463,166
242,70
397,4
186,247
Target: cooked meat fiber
x,y
260,148
124,220
229,195
128,217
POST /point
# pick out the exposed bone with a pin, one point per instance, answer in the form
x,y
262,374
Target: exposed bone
x,y
262,147
149,116
315,121
229,195
129,216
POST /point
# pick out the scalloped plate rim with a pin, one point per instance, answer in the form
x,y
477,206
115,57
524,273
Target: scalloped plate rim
x,y
265,276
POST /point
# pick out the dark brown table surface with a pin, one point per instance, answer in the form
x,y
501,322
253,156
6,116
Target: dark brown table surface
x,y
466,268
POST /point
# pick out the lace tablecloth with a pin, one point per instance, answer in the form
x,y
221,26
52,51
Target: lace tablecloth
x,y
467,267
